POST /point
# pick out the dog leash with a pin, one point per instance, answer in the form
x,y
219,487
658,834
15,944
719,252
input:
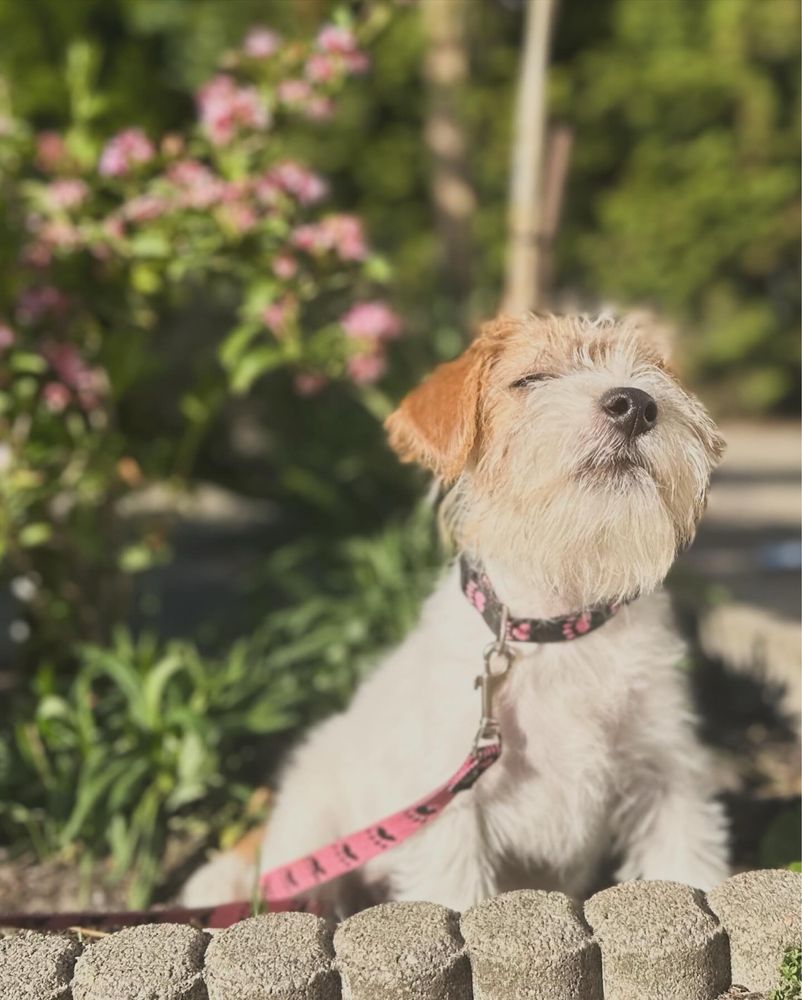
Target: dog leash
x,y
281,887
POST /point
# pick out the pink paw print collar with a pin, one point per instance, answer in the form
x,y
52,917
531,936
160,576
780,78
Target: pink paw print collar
x,y
477,588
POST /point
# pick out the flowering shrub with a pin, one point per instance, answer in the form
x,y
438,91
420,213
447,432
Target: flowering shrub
x,y
110,235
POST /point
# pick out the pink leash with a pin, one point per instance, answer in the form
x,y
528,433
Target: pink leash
x,y
281,886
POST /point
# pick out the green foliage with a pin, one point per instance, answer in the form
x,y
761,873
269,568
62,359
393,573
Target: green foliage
x,y
144,730
141,732
790,987
108,239
361,597
684,188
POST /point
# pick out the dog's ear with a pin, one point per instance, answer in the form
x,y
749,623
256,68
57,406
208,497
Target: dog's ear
x,y
437,424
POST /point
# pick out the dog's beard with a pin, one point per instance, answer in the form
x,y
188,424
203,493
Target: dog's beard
x,y
606,527
615,458
583,541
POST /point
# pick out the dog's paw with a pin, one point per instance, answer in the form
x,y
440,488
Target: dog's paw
x,y
225,878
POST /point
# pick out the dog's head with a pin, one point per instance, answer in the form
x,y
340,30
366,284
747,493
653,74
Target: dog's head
x,y
574,453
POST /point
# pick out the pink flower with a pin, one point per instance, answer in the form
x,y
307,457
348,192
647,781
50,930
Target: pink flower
x,y
319,109
114,227
285,267
266,190
309,383
144,207
7,336
125,150
293,92
69,366
310,238
66,193
303,184
366,368
233,191
34,303
60,235
357,63
372,321
238,216
37,254
277,314
320,68
225,107
261,43
199,187
339,233
56,396
51,152
347,236
522,631
332,38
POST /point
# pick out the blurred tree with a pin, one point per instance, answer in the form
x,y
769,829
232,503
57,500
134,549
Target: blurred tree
x,y
685,184
683,188
446,72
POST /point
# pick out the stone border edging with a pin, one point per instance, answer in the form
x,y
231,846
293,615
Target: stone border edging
x,y
634,941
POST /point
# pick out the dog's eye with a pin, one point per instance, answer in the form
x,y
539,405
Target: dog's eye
x,y
531,379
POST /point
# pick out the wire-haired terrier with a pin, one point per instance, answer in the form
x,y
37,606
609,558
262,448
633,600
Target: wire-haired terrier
x,y
577,467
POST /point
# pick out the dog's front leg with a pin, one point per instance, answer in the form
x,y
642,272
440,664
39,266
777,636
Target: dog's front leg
x,y
447,862
669,825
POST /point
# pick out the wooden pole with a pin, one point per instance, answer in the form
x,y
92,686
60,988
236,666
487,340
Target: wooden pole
x,y
524,212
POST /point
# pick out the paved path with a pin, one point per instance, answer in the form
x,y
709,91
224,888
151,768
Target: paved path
x,y
749,540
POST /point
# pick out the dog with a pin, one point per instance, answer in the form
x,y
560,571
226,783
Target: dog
x,y
576,468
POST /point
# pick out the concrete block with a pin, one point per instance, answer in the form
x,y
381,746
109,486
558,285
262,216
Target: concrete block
x,y
278,956
150,962
659,941
36,966
760,912
531,945
403,951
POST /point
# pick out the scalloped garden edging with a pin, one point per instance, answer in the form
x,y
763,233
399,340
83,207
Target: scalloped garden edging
x,y
635,941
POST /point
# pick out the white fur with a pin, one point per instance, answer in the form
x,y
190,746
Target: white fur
x,y
600,756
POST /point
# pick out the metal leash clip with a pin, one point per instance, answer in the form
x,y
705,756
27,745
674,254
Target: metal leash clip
x,y
489,732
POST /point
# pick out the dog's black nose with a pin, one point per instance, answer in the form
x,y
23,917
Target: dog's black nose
x,y
631,410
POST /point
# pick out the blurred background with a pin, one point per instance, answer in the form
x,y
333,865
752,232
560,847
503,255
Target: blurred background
x,y
231,236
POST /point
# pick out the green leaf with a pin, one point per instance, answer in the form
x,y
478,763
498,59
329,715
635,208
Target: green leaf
x,y
35,534
149,244
96,778
235,344
155,684
252,366
25,362
136,558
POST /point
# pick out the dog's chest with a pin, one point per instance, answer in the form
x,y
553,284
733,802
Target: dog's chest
x,y
552,788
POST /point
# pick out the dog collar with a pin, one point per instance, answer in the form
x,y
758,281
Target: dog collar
x,y
477,588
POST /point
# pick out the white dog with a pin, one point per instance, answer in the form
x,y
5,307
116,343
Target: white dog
x,y
578,467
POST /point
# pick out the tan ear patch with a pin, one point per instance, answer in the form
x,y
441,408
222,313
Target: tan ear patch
x,y
438,424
